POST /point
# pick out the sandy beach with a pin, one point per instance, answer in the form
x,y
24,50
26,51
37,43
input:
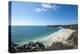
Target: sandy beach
x,y
59,36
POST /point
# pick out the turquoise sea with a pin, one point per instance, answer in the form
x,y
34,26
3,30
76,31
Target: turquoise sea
x,y
21,34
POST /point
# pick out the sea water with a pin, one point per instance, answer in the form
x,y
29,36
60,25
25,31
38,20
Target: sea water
x,y
25,34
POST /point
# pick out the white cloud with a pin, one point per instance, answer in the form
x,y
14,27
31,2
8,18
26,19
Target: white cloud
x,y
72,21
45,7
40,9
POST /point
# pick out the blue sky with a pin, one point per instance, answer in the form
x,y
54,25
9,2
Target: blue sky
x,y
27,13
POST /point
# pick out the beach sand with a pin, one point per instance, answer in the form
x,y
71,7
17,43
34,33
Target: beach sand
x,y
59,36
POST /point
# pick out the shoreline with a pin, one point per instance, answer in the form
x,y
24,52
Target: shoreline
x,y
65,38
41,40
55,41
59,36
